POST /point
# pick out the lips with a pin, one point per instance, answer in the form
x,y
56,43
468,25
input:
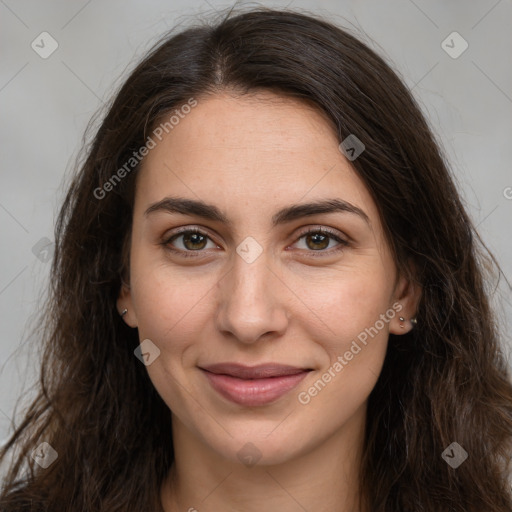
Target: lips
x,y
253,385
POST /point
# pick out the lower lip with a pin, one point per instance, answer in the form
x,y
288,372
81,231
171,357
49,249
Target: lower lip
x,y
254,392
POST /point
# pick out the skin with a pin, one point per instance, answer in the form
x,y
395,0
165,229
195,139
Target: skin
x,y
300,302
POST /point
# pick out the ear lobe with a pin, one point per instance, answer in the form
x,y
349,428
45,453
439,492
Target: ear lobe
x,y
125,306
408,295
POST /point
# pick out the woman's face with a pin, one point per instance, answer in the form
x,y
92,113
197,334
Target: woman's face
x,y
253,176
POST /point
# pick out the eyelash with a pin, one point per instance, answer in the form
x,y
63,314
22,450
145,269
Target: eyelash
x,y
320,253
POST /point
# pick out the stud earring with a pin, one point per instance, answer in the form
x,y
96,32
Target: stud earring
x,y
124,312
402,319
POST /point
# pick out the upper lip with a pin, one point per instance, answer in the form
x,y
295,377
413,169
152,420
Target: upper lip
x,y
260,371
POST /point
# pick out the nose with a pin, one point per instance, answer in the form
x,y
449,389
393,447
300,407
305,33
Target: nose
x,y
252,301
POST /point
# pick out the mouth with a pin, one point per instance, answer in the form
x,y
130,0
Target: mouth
x,y
253,386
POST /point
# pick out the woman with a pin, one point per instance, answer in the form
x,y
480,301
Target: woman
x,y
267,295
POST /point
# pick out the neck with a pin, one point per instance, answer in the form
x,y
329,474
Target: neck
x,y
323,478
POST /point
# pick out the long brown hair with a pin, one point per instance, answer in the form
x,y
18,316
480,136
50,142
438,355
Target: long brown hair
x,y
446,381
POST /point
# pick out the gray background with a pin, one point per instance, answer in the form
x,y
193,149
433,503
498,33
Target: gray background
x,y
46,104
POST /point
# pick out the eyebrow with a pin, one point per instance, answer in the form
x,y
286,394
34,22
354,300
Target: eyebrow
x,y
287,214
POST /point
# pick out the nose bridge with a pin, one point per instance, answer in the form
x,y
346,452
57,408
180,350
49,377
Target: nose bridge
x,y
252,281
251,302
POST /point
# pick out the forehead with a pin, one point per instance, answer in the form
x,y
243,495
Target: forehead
x,y
261,150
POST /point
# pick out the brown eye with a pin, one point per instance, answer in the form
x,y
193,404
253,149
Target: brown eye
x,y
194,241
319,240
189,241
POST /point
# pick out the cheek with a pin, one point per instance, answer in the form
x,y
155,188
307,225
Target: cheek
x,y
353,311
348,303
172,311
169,304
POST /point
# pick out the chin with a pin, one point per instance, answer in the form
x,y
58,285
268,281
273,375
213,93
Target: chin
x,y
264,447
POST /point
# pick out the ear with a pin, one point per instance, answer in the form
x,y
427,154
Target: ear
x,y
125,302
405,299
